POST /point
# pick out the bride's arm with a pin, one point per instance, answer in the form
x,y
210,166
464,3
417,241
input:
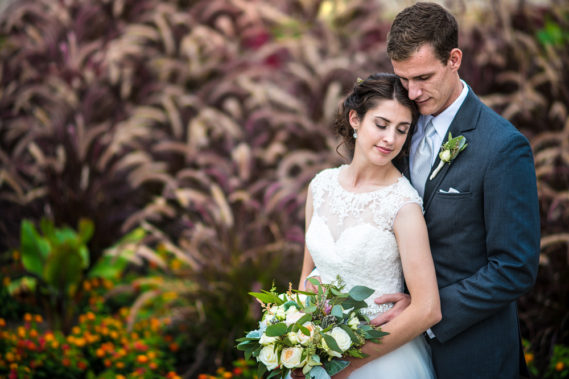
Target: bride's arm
x,y
307,263
424,310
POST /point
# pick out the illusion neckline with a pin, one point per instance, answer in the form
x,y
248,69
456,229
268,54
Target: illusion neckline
x,y
379,189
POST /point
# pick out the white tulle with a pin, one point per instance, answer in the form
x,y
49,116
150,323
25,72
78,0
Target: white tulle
x,y
351,235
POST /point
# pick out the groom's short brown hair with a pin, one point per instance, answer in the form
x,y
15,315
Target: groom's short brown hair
x,y
420,24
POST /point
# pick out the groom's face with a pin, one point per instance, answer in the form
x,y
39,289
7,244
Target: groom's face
x,y
431,83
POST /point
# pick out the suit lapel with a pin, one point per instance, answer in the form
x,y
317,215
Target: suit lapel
x,y
465,120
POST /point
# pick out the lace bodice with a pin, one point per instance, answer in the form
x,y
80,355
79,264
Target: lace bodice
x,y
351,234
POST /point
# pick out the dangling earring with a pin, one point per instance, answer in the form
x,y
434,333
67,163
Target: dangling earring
x,y
355,134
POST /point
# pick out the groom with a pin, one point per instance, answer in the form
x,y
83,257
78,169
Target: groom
x,y
481,209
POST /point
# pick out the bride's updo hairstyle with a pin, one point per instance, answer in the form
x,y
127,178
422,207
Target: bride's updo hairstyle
x,y
368,94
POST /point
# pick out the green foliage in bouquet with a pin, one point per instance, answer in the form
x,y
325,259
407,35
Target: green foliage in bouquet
x,y
310,331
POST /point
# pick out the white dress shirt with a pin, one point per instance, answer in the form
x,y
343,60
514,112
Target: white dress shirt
x,y
441,123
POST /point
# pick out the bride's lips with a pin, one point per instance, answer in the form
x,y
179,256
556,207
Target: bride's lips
x,y
384,150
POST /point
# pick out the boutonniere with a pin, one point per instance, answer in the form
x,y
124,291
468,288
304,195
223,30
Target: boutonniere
x,y
449,151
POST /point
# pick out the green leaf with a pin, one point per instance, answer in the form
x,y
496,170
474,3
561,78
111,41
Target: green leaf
x,y
276,330
108,267
63,268
359,293
373,333
331,342
318,372
350,332
25,282
335,366
86,229
267,297
337,311
310,309
274,373
351,303
34,249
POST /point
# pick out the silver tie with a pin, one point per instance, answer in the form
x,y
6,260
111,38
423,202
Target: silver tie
x,y
422,159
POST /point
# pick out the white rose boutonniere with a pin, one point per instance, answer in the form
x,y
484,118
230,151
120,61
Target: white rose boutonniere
x,y
449,151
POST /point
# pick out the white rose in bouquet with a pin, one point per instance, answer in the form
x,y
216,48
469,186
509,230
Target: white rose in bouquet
x,y
343,341
342,338
304,339
293,337
353,322
266,340
292,316
291,356
269,357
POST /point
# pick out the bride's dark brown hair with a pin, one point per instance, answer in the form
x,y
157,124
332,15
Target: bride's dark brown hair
x,y
368,94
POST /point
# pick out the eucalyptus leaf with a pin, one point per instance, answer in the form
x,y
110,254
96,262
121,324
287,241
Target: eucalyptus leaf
x,y
318,372
337,311
359,293
276,330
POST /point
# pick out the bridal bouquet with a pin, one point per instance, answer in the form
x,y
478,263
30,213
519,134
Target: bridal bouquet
x,y
310,331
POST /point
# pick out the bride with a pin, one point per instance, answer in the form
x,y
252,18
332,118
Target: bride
x,y
364,222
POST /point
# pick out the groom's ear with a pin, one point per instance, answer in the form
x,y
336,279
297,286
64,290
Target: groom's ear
x,y
455,59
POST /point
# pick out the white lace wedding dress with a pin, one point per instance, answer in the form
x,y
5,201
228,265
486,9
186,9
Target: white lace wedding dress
x,y
351,235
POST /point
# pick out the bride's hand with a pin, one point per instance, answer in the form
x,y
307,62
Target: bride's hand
x,y
311,287
400,302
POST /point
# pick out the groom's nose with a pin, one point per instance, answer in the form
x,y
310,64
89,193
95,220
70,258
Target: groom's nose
x,y
414,89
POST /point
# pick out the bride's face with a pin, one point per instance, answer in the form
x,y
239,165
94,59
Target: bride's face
x,y
382,131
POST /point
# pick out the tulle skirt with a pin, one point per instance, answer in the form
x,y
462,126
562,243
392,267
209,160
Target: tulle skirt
x,y
410,361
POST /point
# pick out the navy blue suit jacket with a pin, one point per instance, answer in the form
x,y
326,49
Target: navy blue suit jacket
x,y
485,245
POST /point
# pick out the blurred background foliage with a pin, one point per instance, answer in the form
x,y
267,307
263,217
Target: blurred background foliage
x,y
187,132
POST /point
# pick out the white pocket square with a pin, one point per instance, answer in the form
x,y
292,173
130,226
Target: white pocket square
x,y
450,190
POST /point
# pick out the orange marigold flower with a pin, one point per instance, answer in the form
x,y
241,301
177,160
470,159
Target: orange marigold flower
x,y
107,363
87,286
237,371
38,318
153,365
100,353
142,358
21,332
80,342
151,354
55,344
14,366
90,316
529,357
81,365
76,330
173,346
2,323
120,365
227,375
559,366
33,333
10,357
200,376
27,317
66,362
119,376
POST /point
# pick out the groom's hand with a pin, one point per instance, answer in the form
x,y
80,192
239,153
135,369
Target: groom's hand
x,y
400,302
